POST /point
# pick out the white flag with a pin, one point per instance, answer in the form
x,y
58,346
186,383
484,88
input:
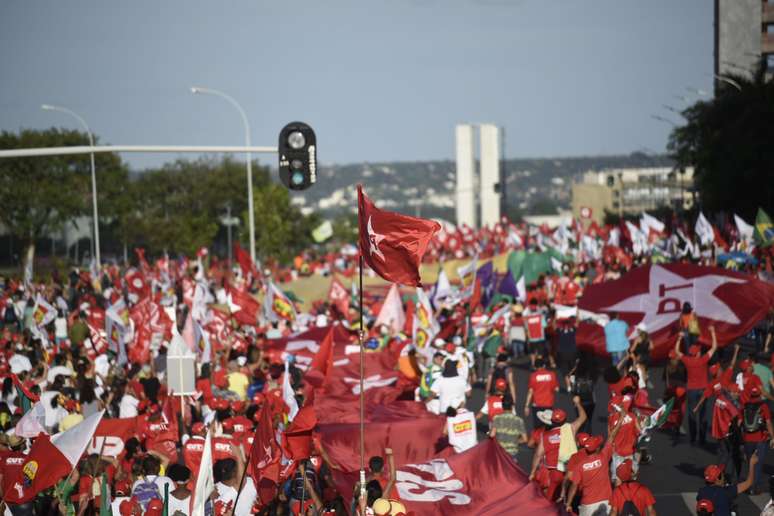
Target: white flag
x,y
32,423
392,314
288,395
442,289
704,230
205,484
745,229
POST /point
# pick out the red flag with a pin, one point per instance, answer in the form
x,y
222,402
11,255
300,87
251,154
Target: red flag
x,y
297,439
339,297
483,480
244,261
247,304
393,244
264,458
136,283
323,359
654,295
111,434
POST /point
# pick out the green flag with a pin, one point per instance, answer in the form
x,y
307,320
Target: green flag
x,y
764,230
24,398
105,500
659,417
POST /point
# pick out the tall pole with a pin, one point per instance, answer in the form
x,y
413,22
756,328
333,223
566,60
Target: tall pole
x,y
250,213
362,390
95,221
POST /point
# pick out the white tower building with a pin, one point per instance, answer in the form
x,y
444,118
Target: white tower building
x,y
465,194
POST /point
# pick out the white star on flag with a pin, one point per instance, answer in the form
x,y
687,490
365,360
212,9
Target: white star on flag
x,y
667,292
374,238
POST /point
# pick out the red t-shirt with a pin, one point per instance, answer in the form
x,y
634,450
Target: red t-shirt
x,y
624,441
192,453
723,413
592,474
697,369
750,380
760,435
634,491
221,448
551,439
534,327
543,384
574,460
494,406
11,464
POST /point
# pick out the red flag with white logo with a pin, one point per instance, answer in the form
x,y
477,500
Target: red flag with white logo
x,y
654,296
111,434
393,244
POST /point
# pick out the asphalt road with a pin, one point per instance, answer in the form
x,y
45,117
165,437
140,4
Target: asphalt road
x,y
676,472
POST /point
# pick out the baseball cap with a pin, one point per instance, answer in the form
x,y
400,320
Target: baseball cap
x,y
544,416
198,428
582,437
712,473
625,470
558,416
593,442
755,392
501,384
714,368
744,364
705,505
237,405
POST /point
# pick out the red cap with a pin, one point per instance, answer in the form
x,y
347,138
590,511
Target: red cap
x,y
258,398
694,350
450,348
501,384
582,437
714,368
237,405
625,470
558,416
198,428
712,473
733,388
155,508
593,443
745,364
755,392
705,505
228,425
220,404
220,377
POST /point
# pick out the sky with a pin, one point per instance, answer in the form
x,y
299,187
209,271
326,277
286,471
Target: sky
x,y
378,80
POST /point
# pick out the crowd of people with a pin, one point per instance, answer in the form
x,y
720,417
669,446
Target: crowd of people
x,y
96,342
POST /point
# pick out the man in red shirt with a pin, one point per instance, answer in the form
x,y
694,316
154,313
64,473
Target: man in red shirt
x,y
493,405
547,453
543,387
632,492
757,432
591,474
625,439
725,412
696,365
748,379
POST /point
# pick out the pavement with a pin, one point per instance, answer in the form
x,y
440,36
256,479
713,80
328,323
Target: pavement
x,y
676,471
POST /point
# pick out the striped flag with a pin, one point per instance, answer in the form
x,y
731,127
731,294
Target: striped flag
x,y
659,417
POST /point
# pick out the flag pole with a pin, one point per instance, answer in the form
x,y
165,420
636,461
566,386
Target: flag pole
x,y
362,392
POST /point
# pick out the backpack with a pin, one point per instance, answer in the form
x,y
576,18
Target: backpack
x,y
629,508
145,492
752,419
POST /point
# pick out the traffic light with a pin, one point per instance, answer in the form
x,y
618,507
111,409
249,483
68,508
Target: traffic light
x,y
297,151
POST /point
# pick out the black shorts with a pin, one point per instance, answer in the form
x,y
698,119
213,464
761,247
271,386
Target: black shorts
x,y
537,347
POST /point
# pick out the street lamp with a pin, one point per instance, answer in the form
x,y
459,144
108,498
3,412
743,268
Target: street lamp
x,y
48,107
199,90
229,221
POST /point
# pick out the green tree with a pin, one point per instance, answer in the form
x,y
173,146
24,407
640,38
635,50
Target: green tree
x,y
39,195
729,140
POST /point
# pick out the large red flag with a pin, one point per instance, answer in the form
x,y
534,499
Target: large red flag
x,y
246,307
264,458
483,480
654,295
111,434
393,244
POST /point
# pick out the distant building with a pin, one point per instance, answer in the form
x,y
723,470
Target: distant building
x,y
631,191
744,36
487,183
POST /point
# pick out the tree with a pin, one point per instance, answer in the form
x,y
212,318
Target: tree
x,y
39,195
728,141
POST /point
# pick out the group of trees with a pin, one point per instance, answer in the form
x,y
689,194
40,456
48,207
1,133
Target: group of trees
x,y
175,209
729,140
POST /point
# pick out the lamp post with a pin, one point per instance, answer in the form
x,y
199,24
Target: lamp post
x,y
229,221
197,90
48,107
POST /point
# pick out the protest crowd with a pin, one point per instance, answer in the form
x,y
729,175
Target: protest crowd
x,y
192,386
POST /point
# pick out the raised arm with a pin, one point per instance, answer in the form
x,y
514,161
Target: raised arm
x,y
582,416
714,342
677,347
741,487
391,464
